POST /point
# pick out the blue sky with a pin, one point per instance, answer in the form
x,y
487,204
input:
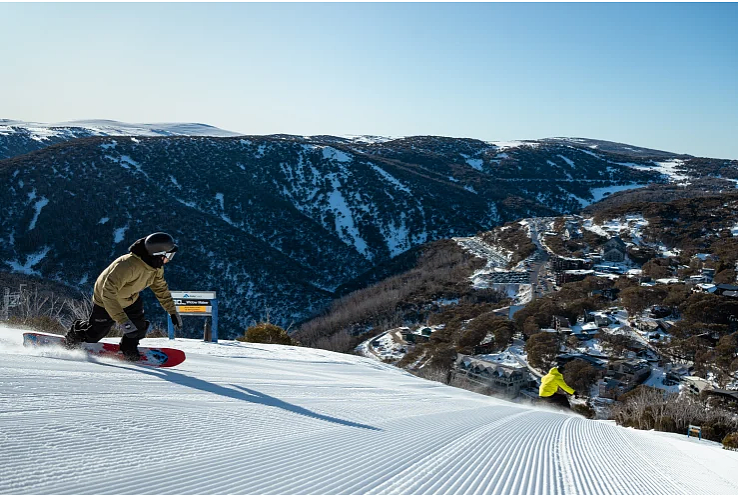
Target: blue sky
x,y
659,75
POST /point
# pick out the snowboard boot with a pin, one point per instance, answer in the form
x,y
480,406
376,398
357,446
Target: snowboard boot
x,y
129,348
73,339
76,334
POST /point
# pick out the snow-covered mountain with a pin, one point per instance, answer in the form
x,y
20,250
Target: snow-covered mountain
x,y
277,223
18,137
259,419
102,127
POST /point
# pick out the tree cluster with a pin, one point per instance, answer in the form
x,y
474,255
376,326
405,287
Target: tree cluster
x,y
440,274
571,301
581,376
542,349
514,238
647,408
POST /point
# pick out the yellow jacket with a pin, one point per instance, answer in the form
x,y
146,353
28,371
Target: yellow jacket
x,y
551,383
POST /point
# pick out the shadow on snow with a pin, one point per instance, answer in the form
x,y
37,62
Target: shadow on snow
x,y
244,394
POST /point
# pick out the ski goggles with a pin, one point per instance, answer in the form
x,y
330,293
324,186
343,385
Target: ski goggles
x,y
167,254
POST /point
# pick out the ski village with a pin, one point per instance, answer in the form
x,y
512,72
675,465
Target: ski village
x,y
373,316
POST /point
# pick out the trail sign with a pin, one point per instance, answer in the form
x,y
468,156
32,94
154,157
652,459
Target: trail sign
x,y
196,303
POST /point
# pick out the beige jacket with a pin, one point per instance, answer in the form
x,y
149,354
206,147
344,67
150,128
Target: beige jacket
x,y
118,286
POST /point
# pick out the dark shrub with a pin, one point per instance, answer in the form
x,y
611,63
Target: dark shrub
x,y
584,409
730,441
266,333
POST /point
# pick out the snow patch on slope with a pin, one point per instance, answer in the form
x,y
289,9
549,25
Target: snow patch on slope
x,y
503,145
344,219
390,178
669,168
38,206
119,234
599,193
31,261
336,155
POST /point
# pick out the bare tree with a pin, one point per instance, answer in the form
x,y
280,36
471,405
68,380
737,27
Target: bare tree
x,y
79,309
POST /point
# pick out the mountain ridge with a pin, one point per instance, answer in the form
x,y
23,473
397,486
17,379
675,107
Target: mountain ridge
x,y
283,221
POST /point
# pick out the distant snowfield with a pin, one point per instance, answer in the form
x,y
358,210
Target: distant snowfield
x,y
262,419
42,131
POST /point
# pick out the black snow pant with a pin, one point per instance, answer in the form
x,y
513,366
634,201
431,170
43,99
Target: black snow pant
x,y
100,323
557,400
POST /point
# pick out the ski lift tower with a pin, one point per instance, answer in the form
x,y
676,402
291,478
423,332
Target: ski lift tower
x,y
196,303
11,300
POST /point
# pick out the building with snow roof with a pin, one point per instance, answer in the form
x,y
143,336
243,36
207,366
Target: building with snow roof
x,y
728,290
505,377
586,331
622,376
614,250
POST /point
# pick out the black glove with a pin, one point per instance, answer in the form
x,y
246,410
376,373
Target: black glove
x,y
176,321
128,327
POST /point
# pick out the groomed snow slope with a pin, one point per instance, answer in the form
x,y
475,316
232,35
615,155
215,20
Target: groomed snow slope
x,y
259,419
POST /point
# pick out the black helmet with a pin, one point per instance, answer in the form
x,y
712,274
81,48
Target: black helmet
x,y
160,244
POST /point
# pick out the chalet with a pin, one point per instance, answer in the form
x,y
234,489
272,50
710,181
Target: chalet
x,y
660,311
610,388
504,378
610,293
600,319
561,325
561,263
633,370
586,331
485,348
708,274
567,276
614,250
622,376
407,335
675,374
563,359
414,336
727,290
704,288
603,268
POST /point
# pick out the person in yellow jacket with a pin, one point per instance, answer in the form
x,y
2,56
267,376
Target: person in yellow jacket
x,y
116,295
550,384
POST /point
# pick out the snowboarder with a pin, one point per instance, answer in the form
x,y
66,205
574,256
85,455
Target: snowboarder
x,y
116,295
548,391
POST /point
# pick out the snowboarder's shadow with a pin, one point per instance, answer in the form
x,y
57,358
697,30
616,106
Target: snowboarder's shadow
x,y
242,393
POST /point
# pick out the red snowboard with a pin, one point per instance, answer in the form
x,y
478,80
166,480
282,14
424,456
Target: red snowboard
x,y
157,357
